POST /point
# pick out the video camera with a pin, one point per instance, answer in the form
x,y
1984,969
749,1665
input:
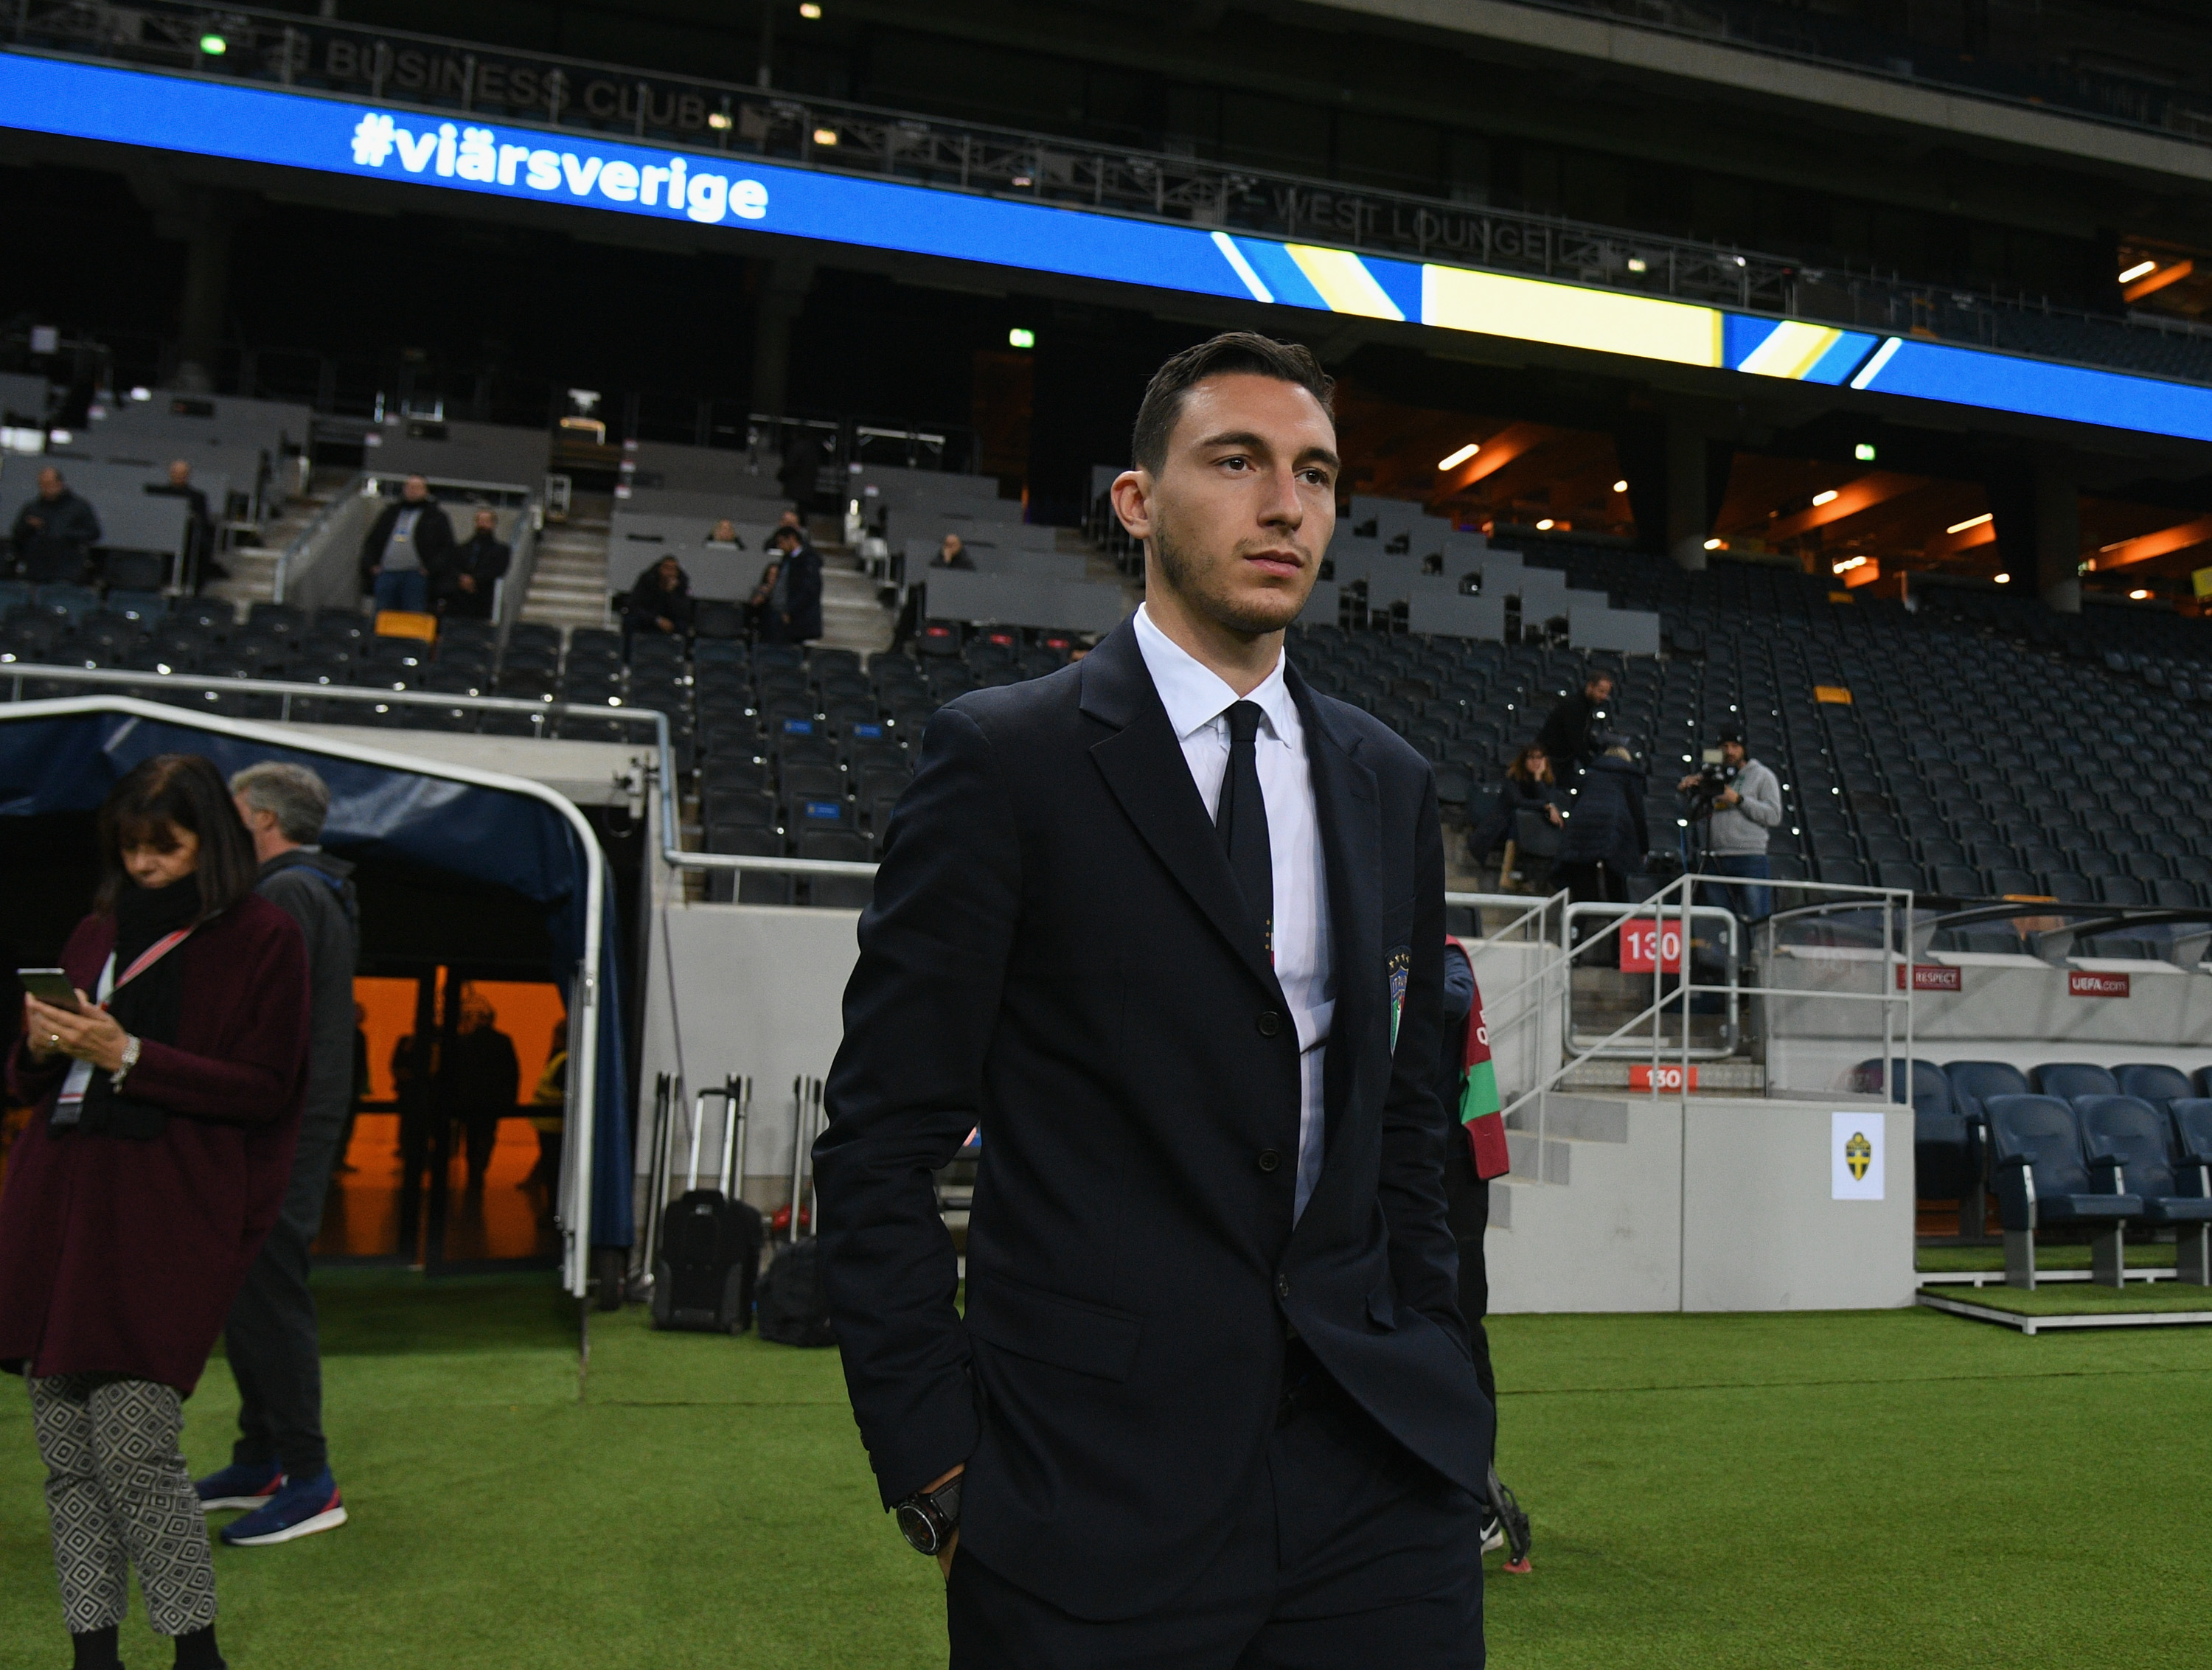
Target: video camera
x,y
1713,781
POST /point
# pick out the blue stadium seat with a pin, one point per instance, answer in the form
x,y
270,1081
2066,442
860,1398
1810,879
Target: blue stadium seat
x,y
2137,1147
2069,1079
842,892
2040,1168
1946,1146
1958,881
2152,1081
2122,891
2066,886
2191,1119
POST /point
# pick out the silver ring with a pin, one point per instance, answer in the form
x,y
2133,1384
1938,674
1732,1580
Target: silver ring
x,y
53,1037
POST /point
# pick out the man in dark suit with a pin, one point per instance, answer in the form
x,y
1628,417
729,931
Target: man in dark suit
x,y
471,574
790,612
1169,925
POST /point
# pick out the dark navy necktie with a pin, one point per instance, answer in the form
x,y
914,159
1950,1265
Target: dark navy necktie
x,y
1242,821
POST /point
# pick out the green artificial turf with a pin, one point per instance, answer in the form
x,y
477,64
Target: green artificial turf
x,y
1856,1490
1961,1260
2081,1298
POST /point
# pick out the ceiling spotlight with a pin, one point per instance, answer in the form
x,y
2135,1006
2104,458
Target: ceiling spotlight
x,y
718,119
810,11
1828,497
825,136
1863,452
214,45
1544,526
1620,486
2142,269
1637,264
2004,580
1714,544
1972,522
2139,594
1021,337
1022,180
1453,461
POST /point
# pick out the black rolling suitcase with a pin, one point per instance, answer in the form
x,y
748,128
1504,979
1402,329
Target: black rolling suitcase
x,y
710,1240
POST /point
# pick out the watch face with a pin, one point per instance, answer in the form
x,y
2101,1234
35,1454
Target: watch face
x,y
917,1528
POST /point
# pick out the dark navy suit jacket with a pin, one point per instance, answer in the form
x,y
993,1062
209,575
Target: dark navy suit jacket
x,y
1057,950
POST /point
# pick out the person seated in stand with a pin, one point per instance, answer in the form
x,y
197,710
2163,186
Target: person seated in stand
x,y
197,564
725,532
468,578
952,553
659,602
1529,787
54,533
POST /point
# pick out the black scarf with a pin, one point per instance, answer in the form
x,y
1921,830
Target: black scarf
x,y
148,1006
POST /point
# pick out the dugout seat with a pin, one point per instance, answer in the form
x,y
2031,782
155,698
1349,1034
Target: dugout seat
x,y
2040,1166
2152,1081
2068,1080
2134,1146
1946,1155
2191,1120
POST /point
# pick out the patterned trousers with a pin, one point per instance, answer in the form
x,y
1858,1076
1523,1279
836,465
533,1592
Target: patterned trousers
x,y
118,1498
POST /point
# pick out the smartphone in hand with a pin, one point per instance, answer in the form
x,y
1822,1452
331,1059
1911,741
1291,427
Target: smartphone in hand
x,y
49,986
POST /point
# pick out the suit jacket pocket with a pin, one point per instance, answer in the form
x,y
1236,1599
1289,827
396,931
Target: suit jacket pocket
x,y
1067,1333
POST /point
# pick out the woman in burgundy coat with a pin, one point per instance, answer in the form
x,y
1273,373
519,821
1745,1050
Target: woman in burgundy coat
x,y
155,1163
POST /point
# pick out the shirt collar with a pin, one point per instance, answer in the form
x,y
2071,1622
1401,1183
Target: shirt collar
x,y
1195,695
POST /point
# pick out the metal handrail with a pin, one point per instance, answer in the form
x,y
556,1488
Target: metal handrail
x,y
305,539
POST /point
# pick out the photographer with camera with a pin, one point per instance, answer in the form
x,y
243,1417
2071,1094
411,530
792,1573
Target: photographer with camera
x,y
1740,800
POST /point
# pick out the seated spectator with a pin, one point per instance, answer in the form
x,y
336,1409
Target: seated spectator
x,y
659,602
725,533
156,1160
468,578
1530,787
54,534
952,553
196,564
406,544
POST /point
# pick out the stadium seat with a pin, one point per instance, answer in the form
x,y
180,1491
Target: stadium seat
x,y
839,892
2040,1166
2134,1146
2066,886
747,887
2191,1120
1945,1145
2152,1081
2069,1080
1958,881
2122,891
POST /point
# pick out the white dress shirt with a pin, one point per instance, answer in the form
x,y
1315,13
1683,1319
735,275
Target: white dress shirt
x,y
1198,704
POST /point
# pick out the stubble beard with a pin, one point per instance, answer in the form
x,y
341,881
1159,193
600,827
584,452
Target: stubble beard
x,y
1189,580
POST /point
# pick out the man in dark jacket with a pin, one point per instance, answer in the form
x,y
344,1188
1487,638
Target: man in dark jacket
x,y
484,1078
793,611
196,564
1569,732
54,534
468,578
408,543
280,1466
1606,837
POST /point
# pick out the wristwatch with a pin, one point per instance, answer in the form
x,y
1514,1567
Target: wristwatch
x,y
927,1519
129,1060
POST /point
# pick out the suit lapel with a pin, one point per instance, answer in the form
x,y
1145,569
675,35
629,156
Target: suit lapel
x,y
1350,815
1144,766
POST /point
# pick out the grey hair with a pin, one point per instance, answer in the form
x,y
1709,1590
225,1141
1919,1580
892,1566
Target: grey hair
x,y
299,798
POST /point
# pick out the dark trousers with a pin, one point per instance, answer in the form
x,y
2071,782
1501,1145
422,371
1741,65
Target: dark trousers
x,y
1750,904
276,1359
1349,1553
481,1134
1466,1203
1594,881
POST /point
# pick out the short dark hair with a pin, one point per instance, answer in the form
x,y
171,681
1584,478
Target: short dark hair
x,y
183,791
1231,351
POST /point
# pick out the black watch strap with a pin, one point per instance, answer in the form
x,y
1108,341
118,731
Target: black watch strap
x,y
927,1519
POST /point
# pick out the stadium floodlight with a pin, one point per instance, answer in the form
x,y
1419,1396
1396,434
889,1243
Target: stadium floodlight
x,y
1545,525
2139,593
825,136
142,393
2141,269
718,119
811,12
2004,580
1972,522
214,45
1863,452
1637,264
1021,337
1453,461
1827,498
1716,544
1621,486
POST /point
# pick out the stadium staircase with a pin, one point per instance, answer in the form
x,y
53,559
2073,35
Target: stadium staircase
x,y
252,568
568,585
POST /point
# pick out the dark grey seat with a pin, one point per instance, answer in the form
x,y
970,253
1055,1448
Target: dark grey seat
x,y
2040,1165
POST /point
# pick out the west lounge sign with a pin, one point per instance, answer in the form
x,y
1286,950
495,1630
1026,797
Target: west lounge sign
x,y
336,135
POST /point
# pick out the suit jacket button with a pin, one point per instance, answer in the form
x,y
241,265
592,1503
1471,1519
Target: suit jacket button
x,y
1269,1159
1282,1287
1270,1022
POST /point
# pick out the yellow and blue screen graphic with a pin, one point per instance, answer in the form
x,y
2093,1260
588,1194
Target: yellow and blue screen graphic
x,y
589,170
